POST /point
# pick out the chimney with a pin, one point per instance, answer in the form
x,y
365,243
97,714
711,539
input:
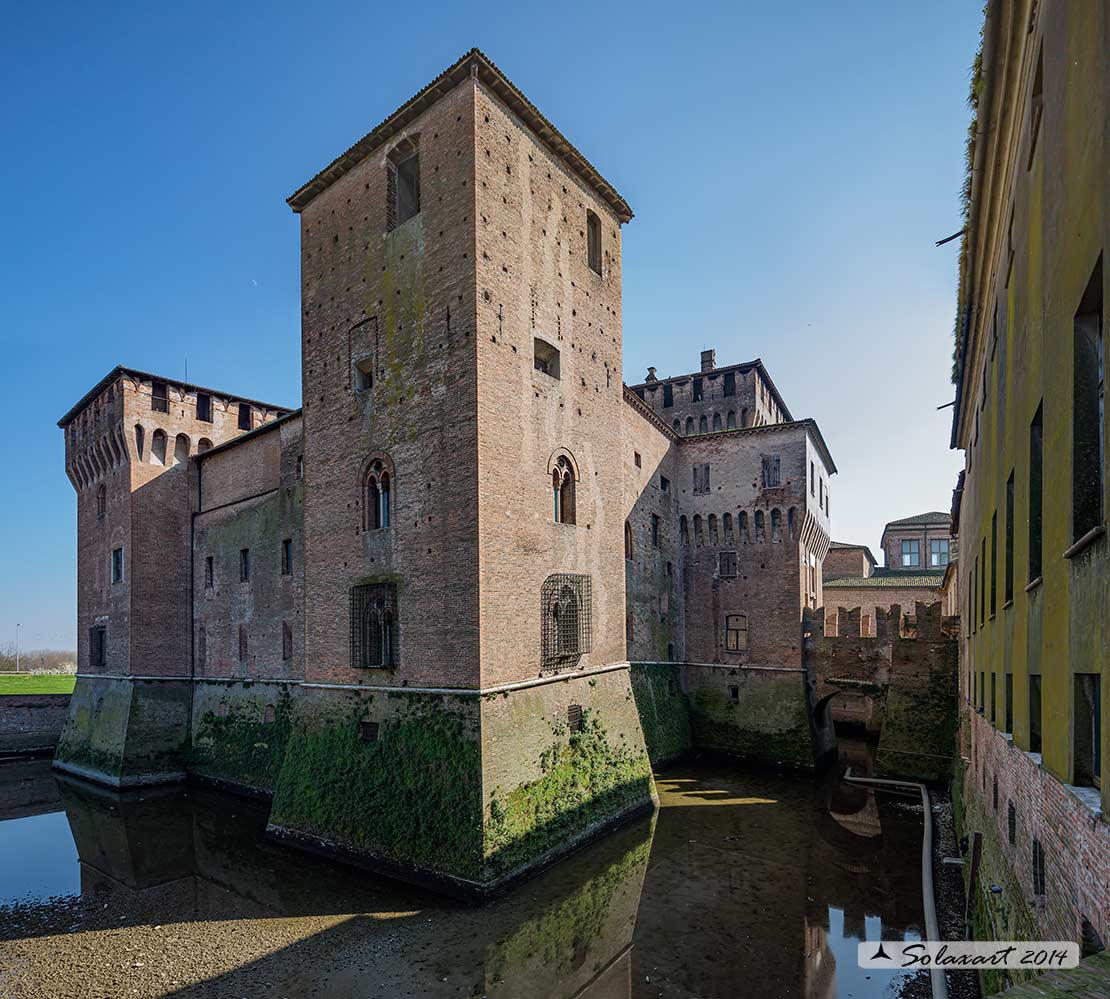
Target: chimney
x,y
651,375
708,360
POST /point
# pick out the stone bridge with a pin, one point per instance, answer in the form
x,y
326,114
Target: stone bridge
x,y
900,684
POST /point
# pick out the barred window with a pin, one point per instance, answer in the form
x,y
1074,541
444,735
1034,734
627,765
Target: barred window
x,y
374,625
566,607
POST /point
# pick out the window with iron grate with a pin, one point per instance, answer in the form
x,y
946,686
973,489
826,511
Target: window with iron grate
x,y
374,625
566,609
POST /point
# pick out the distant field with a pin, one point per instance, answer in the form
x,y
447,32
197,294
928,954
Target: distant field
x,y
44,683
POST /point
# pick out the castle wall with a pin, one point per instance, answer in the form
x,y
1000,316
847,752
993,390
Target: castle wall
x,y
534,281
403,300
654,607
751,403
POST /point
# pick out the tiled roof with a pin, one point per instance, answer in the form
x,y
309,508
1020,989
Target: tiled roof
x,y
933,517
927,579
481,66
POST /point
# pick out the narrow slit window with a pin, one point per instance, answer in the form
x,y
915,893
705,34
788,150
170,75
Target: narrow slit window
x,y
1034,713
244,565
287,557
1087,410
204,407
593,242
1036,460
159,399
994,562
1088,730
244,416
1008,581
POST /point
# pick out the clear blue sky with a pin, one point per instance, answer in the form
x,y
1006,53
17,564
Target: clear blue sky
x,y
789,166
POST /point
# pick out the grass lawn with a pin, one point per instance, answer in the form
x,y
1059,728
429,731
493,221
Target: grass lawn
x,y
43,683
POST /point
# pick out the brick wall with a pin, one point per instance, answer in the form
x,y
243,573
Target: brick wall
x,y
31,721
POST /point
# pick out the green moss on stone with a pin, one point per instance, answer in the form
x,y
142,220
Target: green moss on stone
x,y
663,708
584,783
413,796
762,725
242,747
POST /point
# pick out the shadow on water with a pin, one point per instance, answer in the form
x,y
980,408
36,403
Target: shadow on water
x,y
741,884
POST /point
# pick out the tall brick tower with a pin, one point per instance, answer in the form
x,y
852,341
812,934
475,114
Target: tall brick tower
x,y
129,441
464,580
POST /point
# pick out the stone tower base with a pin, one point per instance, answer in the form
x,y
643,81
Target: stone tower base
x,y
126,732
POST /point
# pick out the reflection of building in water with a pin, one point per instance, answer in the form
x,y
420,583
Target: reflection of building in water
x,y
820,962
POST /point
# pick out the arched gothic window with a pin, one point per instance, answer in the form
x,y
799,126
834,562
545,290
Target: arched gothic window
x,y
790,523
373,625
562,490
140,434
713,529
759,532
684,529
703,425
677,427
158,448
697,529
743,526
689,425
627,540
728,528
730,422
716,421
776,525
376,488
101,500
181,450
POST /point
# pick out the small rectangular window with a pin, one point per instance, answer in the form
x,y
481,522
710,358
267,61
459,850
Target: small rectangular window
x,y
244,416
994,702
159,401
1034,713
209,572
812,479
730,383
911,552
1038,867
983,582
364,374
368,730
545,357
287,556
117,565
1008,698
772,471
726,567
1036,458
637,460
300,466
655,530
1087,410
664,484
408,188
574,717
734,694
1008,571
938,552
697,389
701,478
994,562
668,396
98,647
1088,730
204,407
286,641
593,242
736,633
244,565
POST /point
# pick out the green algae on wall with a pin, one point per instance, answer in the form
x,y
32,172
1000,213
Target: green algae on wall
x,y
663,709
412,797
769,720
918,736
241,746
585,782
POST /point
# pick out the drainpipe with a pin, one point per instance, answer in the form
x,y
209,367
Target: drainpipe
x,y
932,928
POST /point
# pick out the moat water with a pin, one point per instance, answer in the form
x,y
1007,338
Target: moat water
x,y
742,884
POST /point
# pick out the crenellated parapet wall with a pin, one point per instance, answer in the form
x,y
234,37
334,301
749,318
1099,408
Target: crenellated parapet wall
x,y
900,682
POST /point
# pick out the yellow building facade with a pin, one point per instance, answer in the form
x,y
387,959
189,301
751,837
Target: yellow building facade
x,y
1034,568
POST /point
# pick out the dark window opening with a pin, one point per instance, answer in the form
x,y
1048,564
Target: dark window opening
x,y
204,407
159,401
664,484
655,530
287,557
1038,867
627,540
1011,823
209,572
403,181
701,479
730,383
726,567
545,358
574,717
376,489
364,374
368,730
286,641
244,416
697,389
994,562
734,694
244,565
636,459
373,609
1034,713
562,491
995,791
98,646
1008,698
668,396
1036,108
994,703
243,650
101,501
1008,582
1087,410
1036,459
1088,730
593,242
117,565
703,425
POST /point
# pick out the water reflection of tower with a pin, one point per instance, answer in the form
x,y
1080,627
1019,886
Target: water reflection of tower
x,y
820,962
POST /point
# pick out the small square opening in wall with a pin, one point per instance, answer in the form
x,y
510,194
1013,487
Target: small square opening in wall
x,y
637,459
545,357
734,694
574,717
368,730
